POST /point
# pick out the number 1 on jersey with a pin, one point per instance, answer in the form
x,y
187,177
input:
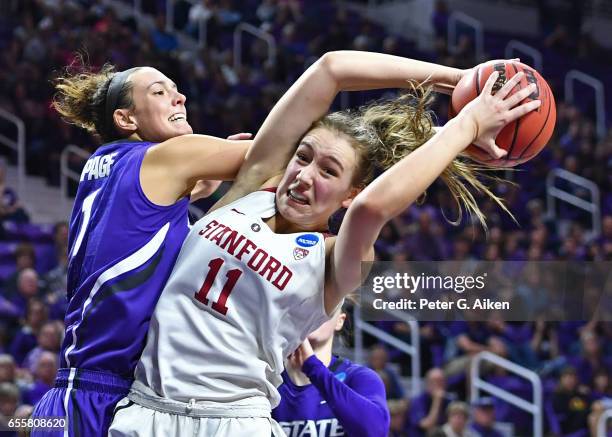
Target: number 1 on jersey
x,y
232,277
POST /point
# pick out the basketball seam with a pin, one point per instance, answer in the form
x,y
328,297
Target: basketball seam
x,y
542,128
478,82
516,126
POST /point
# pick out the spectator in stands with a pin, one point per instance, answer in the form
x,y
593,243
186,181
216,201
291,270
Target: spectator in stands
x,y
591,358
7,368
397,410
467,339
25,339
48,339
27,289
44,373
602,387
597,409
462,249
9,400
163,42
427,411
379,362
570,407
24,412
458,414
60,237
25,258
56,285
425,242
483,419
10,207
516,337
439,19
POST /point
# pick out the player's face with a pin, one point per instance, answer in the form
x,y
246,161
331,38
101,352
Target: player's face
x,y
318,178
326,331
159,109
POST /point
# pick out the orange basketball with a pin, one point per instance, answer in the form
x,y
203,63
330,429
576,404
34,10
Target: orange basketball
x,y
524,137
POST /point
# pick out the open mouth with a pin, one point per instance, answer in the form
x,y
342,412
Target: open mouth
x,y
297,197
177,117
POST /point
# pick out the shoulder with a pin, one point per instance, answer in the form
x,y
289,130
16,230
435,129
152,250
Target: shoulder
x,y
358,372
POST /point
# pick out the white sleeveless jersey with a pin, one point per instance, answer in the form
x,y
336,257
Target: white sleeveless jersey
x,y
240,299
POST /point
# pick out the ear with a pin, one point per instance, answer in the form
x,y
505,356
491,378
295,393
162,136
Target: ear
x,y
125,120
349,199
340,322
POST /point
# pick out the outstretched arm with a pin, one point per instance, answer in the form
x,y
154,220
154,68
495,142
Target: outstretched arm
x,y
397,188
310,97
171,169
205,188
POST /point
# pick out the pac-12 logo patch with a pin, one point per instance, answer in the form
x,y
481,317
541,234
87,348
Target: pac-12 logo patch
x,y
299,253
307,240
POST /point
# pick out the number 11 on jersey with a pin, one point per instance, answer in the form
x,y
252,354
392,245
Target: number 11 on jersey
x,y
232,277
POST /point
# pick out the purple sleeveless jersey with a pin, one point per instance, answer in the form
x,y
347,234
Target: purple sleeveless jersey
x,y
122,248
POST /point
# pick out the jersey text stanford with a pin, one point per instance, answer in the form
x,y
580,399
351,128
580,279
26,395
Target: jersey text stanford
x,y
238,245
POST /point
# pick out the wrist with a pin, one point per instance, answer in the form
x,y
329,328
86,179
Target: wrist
x,y
449,75
311,363
463,129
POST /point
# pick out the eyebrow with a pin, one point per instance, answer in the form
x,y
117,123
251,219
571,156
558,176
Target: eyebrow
x,y
162,82
330,157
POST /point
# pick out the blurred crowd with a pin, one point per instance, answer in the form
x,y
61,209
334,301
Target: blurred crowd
x,y
39,37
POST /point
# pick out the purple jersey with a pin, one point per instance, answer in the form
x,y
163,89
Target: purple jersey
x,y
345,399
122,248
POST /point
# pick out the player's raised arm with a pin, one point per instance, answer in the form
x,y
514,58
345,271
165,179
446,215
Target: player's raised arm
x,y
399,186
310,97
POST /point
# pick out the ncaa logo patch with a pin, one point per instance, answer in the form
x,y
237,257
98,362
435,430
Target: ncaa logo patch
x,y
299,253
340,376
307,240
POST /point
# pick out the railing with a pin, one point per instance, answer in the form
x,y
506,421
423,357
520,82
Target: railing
x,y
413,350
592,206
515,46
600,107
66,173
258,33
534,408
602,422
18,145
459,17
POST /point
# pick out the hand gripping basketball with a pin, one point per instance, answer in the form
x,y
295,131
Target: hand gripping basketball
x,y
491,111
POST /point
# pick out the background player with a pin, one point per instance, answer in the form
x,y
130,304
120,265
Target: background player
x,y
327,394
127,226
225,348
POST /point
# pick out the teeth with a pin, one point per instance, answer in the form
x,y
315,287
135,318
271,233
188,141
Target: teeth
x,y
177,117
297,196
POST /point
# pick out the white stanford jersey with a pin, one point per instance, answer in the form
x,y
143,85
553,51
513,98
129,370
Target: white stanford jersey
x,y
240,299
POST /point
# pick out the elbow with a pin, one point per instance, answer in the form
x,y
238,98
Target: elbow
x,y
329,65
367,210
379,427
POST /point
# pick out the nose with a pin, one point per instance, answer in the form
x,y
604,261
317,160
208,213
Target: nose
x,y
306,175
179,98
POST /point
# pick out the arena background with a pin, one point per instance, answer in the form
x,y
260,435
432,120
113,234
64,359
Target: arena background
x,y
233,60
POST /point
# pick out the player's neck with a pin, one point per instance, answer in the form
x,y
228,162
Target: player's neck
x,y
134,137
297,376
324,351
